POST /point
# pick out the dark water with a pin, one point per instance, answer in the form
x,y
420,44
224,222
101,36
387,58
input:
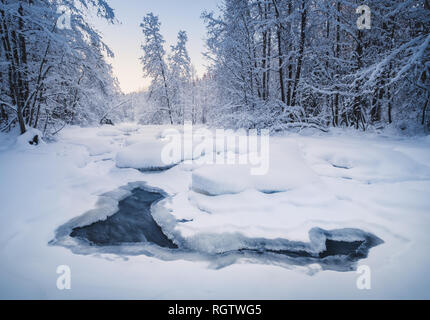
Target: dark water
x,y
157,169
134,224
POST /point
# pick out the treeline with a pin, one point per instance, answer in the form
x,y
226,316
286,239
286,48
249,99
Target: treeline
x,y
53,70
289,63
175,95
194,104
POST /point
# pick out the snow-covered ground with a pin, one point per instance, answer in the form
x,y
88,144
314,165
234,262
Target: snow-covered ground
x,y
375,183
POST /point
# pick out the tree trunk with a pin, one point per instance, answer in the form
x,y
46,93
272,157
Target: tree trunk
x,y
280,54
337,55
301,52
357,100
290,66
166,88
425,110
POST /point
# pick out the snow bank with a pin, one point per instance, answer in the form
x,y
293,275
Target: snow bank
x,y
287,171
31,139
221,179
145,156
369,165
96,141
155,149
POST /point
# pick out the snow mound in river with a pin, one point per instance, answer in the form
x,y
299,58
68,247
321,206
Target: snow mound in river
x,y
145,156
286,170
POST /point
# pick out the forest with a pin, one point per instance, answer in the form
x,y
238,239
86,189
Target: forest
x,y
282,63
52,76
276,64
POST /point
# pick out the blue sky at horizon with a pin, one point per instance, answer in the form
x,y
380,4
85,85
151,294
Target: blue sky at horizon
x,y
125,38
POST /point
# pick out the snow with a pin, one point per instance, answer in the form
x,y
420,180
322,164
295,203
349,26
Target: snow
x,y
145,156
335,181
26,141
286,171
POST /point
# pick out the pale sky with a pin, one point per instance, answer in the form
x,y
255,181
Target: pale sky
x,y
125,38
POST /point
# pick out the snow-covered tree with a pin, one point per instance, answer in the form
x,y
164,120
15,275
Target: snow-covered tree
x,y
180,78
289,63
52,75
154,64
